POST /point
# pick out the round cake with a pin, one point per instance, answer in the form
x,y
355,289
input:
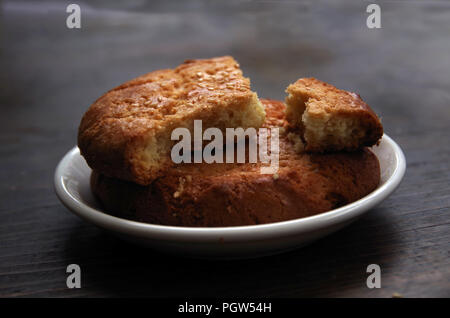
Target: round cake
x,y
218,194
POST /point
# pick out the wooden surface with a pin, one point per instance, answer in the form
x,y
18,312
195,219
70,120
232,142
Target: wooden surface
x,y
49,75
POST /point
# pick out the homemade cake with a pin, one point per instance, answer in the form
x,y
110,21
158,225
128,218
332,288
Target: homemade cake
x,y
126,133
330,119
238,194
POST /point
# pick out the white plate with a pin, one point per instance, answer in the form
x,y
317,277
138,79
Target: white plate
x,y
72,187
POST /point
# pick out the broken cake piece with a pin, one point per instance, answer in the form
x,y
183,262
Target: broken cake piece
x,y
126,133
330,119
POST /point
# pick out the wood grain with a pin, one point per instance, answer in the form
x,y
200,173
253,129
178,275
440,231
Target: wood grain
x,y
50,75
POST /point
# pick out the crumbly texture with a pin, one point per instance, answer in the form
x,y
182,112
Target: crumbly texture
x,y
330,119
126,133
209,195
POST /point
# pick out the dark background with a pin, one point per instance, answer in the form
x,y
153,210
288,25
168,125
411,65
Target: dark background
x,y
49,75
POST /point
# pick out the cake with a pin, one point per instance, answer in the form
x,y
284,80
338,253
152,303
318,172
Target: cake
x,y
126,133
329,119
211,195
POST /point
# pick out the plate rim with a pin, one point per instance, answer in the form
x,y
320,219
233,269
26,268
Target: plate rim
x,y
230,233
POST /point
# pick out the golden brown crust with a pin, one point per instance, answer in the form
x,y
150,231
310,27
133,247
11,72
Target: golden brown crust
x,y
120,133
237,194
333,119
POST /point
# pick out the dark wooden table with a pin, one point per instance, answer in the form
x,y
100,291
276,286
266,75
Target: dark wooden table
x,y
50,74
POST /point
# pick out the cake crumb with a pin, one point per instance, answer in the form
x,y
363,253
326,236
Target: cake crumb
x,y
275,176
397,295
180,189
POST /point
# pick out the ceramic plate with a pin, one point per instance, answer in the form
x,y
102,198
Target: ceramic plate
x,y
72,187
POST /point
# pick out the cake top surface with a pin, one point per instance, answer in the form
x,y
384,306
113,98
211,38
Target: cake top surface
x,y
153,99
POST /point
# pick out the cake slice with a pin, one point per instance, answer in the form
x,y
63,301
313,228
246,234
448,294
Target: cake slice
x,y
126,133
330,119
